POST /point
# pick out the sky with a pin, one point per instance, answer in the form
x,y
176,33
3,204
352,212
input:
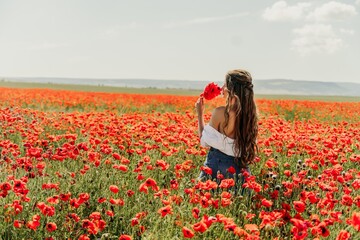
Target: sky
x,y
313,40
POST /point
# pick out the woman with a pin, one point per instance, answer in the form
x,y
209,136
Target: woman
x,y
232,130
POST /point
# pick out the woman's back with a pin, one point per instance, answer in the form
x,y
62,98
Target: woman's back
x,y
218,122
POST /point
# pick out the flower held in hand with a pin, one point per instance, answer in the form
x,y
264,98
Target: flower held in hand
x,y
211,91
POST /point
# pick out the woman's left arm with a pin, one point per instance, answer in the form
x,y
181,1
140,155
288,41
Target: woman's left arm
x,y
199,106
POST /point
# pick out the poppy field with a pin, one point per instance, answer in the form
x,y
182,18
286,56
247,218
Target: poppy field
x,y
85,165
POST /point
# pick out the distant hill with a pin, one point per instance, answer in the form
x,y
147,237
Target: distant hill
x,y
296,87
270,86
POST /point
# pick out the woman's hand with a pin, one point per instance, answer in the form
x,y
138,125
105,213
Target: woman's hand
x,y
199,106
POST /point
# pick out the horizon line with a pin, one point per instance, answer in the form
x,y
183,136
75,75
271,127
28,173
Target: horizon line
x,y
188,80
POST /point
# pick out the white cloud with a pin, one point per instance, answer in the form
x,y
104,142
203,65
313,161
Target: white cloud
x,y
357,2
204,20
280,11
316,38
332,11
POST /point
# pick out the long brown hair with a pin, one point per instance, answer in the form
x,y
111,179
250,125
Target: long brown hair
x,y
240,99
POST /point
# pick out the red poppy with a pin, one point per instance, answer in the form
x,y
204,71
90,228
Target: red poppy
x,y
101,200
253,228
116,156
125,237
346,200
114,188
231,170
110,213
355,220
299,206
129,193
195,212
238,231
200,227
18,224
83,237
207,170
5,186
227,183
343,235
165,210
51,227
300,229
143,188
150,182
187,232
65,196
118,201
33,224
134,221
321,230
211,91
120,167
266,203
95,216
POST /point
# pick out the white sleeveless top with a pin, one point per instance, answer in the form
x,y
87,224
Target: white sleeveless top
x,y
213,138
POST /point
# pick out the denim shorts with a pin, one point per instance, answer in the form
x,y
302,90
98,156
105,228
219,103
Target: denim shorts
x,y
220,162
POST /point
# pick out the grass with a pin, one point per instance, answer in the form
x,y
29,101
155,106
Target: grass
x,y
150,90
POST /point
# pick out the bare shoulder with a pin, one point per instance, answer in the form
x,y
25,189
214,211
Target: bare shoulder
x,y
219,112
217,117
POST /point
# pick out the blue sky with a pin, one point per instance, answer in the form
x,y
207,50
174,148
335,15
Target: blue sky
x,y
183,40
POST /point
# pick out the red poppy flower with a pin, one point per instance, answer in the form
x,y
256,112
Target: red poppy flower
x,y
343,235
51,227
227,183
18,224
125,237
152,183
114,188
355,220
120,167
95,216
134,221
211,91
187,232
266,203
110,213
200,227
346,200
5,186
231,170
84,237
118,201
299,206
129,193
225,202
253,228
195,212
165,210
321,230
65,196
33,224
207,170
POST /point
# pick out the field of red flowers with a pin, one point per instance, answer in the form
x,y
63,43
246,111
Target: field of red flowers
x,y
78,165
